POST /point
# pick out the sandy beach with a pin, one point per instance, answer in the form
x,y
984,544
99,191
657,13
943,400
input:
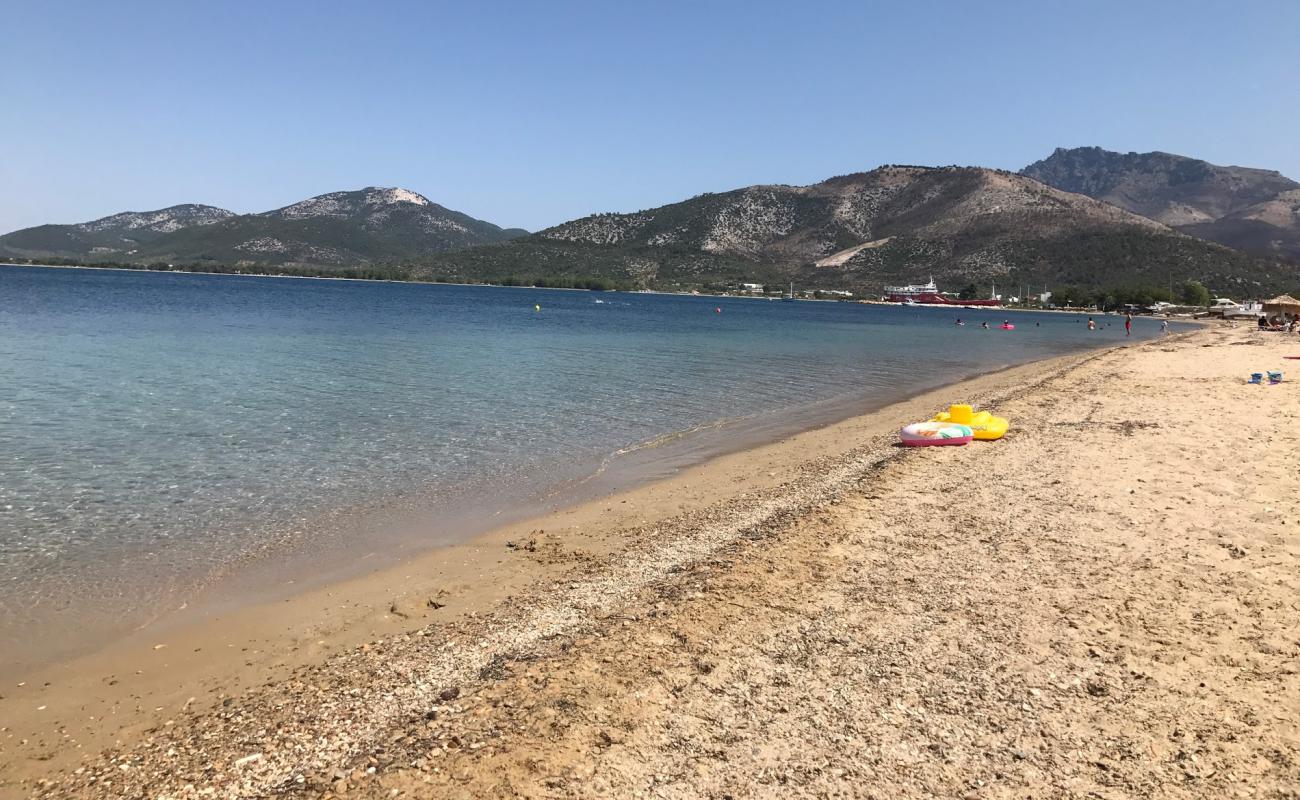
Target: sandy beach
x,y
1103,604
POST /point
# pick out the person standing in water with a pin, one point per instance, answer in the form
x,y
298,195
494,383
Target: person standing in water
x,y
1164,327
1128,324
1092,326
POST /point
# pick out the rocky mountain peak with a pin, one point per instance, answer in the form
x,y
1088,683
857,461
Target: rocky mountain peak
x,y
1241,207
381,196
376,224
164,220
351,203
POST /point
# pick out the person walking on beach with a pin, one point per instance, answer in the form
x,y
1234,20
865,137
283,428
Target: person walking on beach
x,y
1128,324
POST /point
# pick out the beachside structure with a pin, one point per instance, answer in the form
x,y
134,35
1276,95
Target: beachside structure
x,y
1229,309
1283,304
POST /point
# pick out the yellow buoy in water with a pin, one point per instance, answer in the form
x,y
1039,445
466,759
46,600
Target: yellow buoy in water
x,y
537,308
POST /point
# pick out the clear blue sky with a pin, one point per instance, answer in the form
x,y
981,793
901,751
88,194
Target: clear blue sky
x,y
529,114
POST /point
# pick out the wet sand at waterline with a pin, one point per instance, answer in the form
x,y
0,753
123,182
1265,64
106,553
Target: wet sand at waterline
x,y
1102,604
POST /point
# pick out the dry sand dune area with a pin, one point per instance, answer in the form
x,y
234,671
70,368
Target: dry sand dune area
x,y
1106,604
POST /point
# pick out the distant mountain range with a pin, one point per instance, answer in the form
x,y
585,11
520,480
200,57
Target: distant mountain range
x,y
862,231
367,226
1084,217
1253,210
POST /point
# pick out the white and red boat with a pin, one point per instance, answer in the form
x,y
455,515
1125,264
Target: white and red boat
x,y
929,294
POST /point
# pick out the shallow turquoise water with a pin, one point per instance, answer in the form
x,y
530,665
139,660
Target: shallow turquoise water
x,y
158,431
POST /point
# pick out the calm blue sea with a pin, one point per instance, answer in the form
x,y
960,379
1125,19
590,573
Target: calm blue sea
x,y
159,432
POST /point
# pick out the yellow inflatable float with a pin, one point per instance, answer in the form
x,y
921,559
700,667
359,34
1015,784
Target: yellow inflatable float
x,y
985,426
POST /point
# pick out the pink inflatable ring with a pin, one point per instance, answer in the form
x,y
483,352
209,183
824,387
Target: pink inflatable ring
x,y
930,434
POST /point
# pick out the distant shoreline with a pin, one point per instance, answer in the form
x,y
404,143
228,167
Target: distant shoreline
x,y
425,283
279,275
358,280
860,301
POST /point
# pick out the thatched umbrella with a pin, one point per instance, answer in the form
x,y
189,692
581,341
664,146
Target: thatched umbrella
x,y
1282,304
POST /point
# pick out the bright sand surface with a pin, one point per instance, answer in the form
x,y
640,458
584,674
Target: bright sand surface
x,y
1105,603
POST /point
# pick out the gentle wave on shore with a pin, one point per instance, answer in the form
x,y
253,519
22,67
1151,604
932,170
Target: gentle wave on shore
x,y
161,431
